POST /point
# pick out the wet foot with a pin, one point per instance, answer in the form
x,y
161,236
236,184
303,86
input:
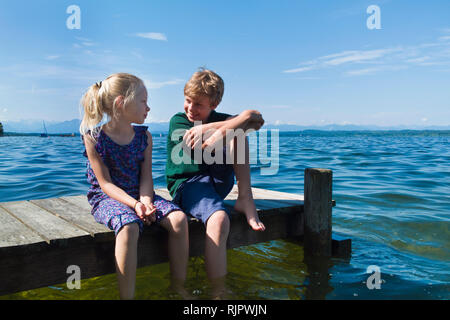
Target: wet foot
x,y
178,288
246,205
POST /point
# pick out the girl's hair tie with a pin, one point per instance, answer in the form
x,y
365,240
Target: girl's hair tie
x,y
99,84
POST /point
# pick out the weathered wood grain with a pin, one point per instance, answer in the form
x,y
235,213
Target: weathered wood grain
x,y
14,232
45,224
71,213
318,206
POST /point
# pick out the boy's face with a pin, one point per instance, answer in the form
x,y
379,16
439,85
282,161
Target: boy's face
x,y
198,109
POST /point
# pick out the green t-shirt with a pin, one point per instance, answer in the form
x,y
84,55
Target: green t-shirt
x,y
181,166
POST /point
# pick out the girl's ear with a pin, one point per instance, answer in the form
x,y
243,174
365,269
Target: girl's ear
x,y
118,101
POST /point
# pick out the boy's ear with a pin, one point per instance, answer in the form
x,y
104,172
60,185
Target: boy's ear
x,y
213,106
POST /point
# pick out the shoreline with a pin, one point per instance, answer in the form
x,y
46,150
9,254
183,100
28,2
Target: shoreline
x,y
283,132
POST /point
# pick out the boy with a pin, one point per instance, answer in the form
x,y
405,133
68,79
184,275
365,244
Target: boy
x,y
199,188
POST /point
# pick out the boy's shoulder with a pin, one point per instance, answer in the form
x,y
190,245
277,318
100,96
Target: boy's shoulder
x,y
179,118
215,116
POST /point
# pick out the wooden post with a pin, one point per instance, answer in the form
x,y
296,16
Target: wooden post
x,y
318,204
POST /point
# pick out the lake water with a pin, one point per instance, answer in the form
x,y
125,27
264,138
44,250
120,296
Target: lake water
x,y
392,191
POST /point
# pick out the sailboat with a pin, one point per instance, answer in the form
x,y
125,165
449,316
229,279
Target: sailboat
x,y
44,135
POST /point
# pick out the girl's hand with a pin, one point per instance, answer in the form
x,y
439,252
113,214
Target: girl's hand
x,y
145,212
140,209
150,214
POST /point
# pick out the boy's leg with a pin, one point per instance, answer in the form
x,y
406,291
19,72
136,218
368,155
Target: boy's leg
x,y
177,226
217,230
126,259
244,202
199,198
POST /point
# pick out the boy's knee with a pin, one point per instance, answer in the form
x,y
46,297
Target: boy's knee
x,y
219,222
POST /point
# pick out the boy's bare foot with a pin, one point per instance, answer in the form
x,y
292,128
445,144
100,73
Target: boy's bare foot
x,y
247,206
178,287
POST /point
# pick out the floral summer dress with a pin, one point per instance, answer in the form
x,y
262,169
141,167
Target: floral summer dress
x,y
124,163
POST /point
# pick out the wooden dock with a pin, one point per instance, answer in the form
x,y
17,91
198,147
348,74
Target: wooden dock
x,y
40,239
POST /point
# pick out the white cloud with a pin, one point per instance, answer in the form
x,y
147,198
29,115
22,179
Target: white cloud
x,y
375,60
83,39
418,60
281,107
345,57
302,69
369,71
357,56
158,85
52,57
361,72
152,36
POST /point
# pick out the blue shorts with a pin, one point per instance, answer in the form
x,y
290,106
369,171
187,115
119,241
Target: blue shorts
x,y
203,194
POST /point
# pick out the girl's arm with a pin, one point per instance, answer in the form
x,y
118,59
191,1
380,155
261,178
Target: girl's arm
x,y
146,189
103,177
146,184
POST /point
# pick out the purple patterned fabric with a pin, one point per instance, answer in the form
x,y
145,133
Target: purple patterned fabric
x,y
124,164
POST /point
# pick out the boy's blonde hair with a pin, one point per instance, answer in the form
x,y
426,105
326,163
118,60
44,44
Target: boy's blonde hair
x,y
205,83
100,99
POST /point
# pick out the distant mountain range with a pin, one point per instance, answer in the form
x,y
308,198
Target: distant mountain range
x,y
72,126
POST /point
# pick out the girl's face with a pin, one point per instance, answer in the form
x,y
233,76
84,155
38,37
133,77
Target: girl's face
x,y
137,111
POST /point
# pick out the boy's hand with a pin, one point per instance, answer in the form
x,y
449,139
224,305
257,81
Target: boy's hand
x,y
213,138
193,137
254,119
201,136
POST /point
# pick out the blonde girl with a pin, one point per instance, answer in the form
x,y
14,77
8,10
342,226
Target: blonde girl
x,y
119,170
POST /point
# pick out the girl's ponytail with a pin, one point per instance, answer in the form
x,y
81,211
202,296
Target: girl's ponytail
x,y
93,110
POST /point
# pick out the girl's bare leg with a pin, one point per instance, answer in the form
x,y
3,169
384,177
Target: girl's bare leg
x,y
126,259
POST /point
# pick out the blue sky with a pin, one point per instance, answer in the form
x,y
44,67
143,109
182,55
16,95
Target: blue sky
x,y
298,62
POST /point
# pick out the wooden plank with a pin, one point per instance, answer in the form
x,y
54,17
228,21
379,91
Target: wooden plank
x,y
48,226
164,193
259,193
72,214
15,233
80,201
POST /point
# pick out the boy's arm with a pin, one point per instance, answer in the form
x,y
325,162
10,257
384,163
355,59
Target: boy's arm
x,y
215,131
104,178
